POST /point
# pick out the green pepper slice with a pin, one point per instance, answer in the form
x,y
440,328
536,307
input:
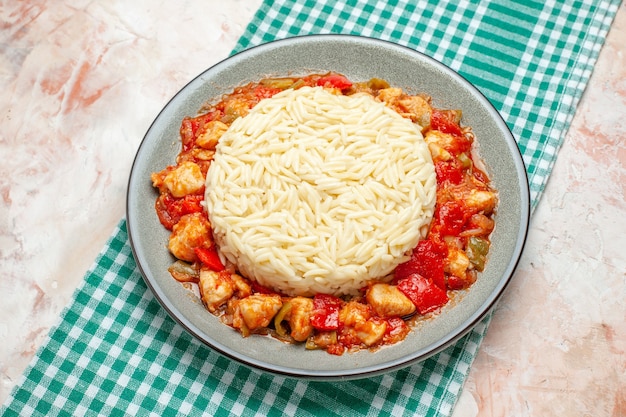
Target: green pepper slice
x,y
284,312
476,251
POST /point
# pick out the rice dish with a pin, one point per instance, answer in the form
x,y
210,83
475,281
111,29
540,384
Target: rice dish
x,y
314,192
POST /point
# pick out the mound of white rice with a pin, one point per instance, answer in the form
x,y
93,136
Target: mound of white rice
x,y
314,192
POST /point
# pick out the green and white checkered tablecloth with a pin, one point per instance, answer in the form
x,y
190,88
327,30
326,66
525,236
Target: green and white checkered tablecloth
x,y
115,351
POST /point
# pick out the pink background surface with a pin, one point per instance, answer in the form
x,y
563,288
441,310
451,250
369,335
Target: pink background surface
x,y
81,82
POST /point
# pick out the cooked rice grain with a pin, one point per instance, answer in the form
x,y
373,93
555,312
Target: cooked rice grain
x,y
314,192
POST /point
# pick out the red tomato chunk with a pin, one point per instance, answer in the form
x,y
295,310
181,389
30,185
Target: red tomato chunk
x,y
326,312
423,292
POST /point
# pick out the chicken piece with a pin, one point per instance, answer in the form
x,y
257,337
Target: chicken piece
x,y
481,201
352,316
457,263
390,95
300,318
201,155
354,313
417,109
388,301
216,288
158,177
479,225
242,287
255,312
444,140
211,133
191,231
438,153
359,326
372,331
185,179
